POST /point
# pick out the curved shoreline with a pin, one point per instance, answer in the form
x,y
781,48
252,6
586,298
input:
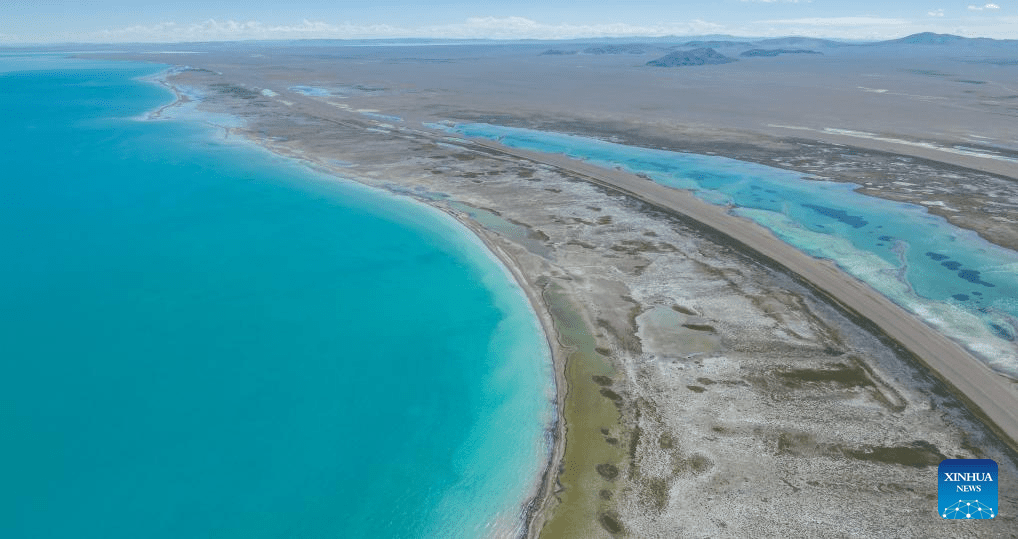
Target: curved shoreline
x,y
986,394
531,509
532,512
853,297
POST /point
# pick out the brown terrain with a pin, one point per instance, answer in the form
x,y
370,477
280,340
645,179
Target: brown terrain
x,y
712,380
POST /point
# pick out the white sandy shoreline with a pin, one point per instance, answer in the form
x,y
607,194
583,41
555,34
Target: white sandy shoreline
x,y
985,390
544,483
486,242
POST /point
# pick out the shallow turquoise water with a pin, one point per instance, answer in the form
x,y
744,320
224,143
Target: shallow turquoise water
x,y
198,339
950,277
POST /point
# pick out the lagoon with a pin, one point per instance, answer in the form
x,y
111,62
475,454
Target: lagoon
x,y
949,277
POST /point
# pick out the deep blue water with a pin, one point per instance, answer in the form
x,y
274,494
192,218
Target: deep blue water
x,y
198,339
950,277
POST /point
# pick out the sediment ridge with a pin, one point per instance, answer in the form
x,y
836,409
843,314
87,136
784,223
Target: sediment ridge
x,y
687,370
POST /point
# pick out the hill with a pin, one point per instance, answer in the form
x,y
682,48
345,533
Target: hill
x,y
930,38
715,44
695,57
800,43
629,48
775,52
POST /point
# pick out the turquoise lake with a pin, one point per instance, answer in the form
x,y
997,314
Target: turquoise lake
x,y
951,278
199,339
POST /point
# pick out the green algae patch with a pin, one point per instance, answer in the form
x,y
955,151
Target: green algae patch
x,y
657,493
590,462
840,375
611,523
609,394
918,454
607,471
695,464
666,441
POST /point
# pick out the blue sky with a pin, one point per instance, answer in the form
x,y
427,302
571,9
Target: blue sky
x,y
192,20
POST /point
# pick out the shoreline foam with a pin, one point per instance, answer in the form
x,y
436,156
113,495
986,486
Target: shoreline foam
x,y
538,493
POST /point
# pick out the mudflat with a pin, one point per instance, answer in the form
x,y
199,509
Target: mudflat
x,y
711,376
992,394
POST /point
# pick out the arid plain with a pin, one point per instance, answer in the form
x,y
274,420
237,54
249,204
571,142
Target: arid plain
x,y
709,383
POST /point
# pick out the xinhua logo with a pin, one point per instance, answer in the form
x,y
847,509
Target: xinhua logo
x,y
967,488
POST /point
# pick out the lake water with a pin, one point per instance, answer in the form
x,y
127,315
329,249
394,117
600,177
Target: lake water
x,y
199,339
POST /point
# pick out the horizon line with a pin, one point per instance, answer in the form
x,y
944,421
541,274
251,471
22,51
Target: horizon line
x,y
491,39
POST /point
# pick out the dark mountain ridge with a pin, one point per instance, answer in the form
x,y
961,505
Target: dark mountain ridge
x,y
695,57
775,52
930,38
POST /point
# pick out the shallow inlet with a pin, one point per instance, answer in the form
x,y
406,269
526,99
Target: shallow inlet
x,y
961,284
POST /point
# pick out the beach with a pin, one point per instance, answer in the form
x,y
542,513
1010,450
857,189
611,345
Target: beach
x,y
699,360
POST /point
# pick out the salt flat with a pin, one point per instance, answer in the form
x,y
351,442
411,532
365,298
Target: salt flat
x,y
709,388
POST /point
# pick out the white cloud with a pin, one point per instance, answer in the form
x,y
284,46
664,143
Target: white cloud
x,y
213,30
523,28
520,27
987,6
839,21
865,28
472,28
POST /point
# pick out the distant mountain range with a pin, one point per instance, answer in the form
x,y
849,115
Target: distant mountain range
x,y
695,57
716,44
576,45
775,52
801,43
706,51
797,42
633,48
930,38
